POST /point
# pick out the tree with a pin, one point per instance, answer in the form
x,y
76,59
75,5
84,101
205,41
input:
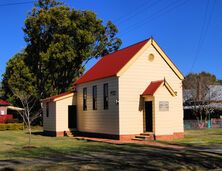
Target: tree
x,y
20,83
18,76
199,83
1,90
60,40
196,89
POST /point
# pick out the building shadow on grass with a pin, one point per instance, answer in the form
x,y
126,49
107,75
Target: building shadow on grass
x,y
38,133
116,157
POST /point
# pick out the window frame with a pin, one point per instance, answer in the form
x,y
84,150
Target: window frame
x,y
94,97
106,96
84,99
47,109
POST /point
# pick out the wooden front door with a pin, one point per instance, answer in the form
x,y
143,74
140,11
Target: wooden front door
x,y
72,117
149,116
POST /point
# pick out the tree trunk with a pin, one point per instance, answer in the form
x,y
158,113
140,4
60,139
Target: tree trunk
x,y
30,132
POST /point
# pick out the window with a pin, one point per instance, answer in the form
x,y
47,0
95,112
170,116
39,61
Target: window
x,y
105,96
94,92
151,57
2,112
84,98
47,109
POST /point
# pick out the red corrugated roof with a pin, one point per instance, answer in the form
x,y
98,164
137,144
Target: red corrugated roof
x,y
57,96
4,103
153,86
111,64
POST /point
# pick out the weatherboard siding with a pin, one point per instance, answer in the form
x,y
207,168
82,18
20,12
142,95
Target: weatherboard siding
x,y
62,112
132,84
58,114
164,120
49,123
100,120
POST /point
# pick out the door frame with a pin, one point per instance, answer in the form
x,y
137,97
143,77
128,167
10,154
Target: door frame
x,y
144,116
74,117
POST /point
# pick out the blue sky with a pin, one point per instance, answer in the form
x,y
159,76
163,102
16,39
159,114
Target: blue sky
x,y
189,31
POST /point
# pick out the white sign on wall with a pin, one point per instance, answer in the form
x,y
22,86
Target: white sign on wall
x,y
2,112
163,106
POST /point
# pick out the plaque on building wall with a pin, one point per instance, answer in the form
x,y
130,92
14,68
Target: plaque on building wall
x,y
164,106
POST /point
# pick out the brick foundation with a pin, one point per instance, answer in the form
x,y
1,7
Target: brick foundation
x,y
54,133
176,135
126,137
98,135
107,136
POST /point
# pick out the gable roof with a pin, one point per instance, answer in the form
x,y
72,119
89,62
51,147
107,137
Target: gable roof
x,y
57,97
111,64
115,63
154,85
4,103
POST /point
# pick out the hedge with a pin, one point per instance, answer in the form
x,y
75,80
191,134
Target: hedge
x,y
11,126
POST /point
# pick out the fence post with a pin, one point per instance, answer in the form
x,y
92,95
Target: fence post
x,y
209,121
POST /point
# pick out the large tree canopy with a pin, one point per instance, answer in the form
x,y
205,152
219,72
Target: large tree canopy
x,y
18,78
60,39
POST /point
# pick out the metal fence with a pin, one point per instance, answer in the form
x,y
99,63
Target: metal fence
x,y
194,124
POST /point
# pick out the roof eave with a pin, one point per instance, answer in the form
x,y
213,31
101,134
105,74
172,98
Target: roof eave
x,y
167,60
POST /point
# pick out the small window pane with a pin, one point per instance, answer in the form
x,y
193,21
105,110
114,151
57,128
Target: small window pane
x,y
47,109
84,98
94,97
106,96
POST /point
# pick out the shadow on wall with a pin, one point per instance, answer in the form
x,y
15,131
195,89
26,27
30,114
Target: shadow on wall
x,y
141,103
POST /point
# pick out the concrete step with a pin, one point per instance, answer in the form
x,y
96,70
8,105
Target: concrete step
x,y
70,133
147,133
137,139
143,137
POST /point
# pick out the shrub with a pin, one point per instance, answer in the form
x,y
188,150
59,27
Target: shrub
x,y
12,121
11,126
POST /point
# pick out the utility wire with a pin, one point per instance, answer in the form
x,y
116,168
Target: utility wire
x,y
15,3
169,7
137,8
142,8
201,35
204,30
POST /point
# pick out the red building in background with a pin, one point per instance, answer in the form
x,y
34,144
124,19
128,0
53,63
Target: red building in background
x,y
4,116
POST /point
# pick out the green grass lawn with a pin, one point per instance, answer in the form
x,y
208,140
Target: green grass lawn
x,y
208,138
66,153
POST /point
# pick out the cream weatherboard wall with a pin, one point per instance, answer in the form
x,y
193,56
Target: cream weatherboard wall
x,y
167,122
100,120
62,112
58,113
49,123
134,80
